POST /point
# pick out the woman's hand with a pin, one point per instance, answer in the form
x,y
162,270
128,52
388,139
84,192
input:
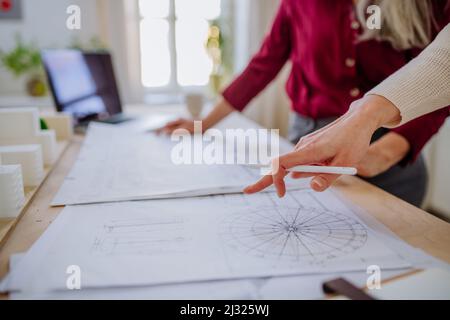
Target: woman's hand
x,y
383,154
180,123
220,111
342,143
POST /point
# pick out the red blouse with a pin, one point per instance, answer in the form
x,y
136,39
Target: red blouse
x,y
330,68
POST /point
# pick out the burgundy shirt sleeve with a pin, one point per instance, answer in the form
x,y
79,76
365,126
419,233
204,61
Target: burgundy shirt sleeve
x,y
264,65
420,130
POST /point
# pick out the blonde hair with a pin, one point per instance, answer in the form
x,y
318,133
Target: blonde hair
x,y
404,23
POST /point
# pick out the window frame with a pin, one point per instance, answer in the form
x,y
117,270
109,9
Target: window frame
x,y
173,87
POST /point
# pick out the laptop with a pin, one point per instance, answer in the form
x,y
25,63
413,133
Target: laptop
x,y
83,84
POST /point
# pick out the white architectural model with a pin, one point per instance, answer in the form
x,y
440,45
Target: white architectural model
x,y
20,126
30,159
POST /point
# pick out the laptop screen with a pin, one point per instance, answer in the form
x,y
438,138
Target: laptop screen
x,y
82,83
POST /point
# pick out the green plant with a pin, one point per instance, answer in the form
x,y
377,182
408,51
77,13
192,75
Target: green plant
x,y
23,59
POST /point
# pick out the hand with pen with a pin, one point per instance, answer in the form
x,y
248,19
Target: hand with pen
x,y
344,143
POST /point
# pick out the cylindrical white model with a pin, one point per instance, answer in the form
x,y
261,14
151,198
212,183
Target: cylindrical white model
x,y
12,195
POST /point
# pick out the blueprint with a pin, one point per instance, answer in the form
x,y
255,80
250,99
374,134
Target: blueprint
x,y
205,238
117,164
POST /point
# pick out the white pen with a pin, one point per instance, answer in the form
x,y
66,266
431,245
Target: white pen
x,y
314,169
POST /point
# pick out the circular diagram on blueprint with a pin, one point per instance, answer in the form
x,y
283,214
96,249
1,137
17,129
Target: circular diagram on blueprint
x,y
293,234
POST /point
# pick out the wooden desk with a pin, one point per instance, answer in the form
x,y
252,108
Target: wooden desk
x,y
415,226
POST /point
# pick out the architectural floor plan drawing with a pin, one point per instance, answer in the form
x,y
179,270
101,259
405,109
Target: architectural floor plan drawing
x,y
205,238
139,236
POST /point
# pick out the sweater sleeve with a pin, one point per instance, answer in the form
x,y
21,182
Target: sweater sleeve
x,y
422,85
264,66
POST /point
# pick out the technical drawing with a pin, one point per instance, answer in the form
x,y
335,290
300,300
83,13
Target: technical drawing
x,y
139,236
293,233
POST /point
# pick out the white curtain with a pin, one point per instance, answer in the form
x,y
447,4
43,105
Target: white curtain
x,y
253,18
119,30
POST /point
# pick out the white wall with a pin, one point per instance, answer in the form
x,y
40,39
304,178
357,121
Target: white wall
x,y
44,22
253,19
120,31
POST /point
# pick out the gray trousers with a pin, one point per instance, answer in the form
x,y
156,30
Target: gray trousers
x,y
408,183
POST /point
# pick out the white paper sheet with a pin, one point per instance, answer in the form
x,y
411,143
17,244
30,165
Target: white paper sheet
x,y
206,238
286,287
118,163
209,290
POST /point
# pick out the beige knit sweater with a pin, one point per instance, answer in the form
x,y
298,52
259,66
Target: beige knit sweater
x,y
423,85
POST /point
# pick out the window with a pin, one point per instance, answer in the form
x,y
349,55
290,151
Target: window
x,y
172,42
